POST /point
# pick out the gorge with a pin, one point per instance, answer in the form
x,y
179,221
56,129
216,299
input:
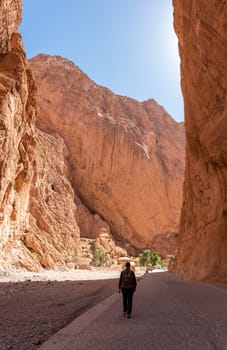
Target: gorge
x,y
78,161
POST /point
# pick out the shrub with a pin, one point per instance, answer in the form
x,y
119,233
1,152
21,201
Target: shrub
x,y
99,256
162,264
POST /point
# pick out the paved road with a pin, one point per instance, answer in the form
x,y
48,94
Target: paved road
x,y
168,314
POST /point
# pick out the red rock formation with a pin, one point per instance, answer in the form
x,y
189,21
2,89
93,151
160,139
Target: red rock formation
x,y
202,250
93,226
16,133
37,211
10,18
53,235
126,158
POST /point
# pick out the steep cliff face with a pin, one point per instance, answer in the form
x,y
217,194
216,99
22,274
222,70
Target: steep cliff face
x,y
126,158
202,248
53,236
37,211
16,133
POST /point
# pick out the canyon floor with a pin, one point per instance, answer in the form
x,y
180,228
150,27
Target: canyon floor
x,y
34,306
168,314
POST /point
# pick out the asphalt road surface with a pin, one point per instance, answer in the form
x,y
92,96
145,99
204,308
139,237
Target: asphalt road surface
x,y
168,314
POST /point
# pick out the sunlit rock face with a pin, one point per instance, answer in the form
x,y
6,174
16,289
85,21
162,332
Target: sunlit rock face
x,y
53,236
10,18
202,250
126,158
17,110
37,211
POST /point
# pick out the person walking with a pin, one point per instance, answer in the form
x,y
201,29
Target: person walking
x,y
127,285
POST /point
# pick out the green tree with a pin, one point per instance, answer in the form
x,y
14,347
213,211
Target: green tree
x,y
154,258
144,258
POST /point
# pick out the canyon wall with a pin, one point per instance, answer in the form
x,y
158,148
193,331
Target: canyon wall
x,y
126,158
53,235
38,225
17,111
105,169
202,245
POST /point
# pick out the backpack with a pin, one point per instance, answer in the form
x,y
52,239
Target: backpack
x,y
127,279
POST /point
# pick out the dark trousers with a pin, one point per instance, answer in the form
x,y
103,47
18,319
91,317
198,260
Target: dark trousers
x,y
127,299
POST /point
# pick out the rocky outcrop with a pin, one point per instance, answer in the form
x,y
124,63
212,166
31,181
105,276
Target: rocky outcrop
x,y
17,110
202,246
126,158
53,236
10,18
95,231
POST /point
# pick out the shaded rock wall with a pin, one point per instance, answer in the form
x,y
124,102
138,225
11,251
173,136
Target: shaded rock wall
x,y
95,230
202,246
126,158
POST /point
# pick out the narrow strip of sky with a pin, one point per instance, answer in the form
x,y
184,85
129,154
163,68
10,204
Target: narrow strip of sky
x,y
128,46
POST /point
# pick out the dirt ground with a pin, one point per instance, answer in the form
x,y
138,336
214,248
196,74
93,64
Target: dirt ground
x,y
32,311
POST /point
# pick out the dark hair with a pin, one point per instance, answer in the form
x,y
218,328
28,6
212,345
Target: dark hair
x,y
127,264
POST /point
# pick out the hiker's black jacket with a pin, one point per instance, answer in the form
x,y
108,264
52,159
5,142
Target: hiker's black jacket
x,y
131,284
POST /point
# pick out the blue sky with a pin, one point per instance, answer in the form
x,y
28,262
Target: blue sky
x,y
128,46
